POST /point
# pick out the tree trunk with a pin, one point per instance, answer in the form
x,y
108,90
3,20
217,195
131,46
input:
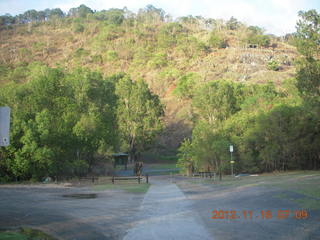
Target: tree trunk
x,y
132,151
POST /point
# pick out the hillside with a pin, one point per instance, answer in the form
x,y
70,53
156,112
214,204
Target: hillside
x,y
160,51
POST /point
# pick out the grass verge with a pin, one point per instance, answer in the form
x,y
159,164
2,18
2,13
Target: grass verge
x,y
25,234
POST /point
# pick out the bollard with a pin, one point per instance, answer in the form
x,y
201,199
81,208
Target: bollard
x,y
112,179
147,177
139,179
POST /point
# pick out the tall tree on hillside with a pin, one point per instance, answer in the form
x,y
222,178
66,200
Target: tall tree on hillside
x,y
139,115
151,14
308,44
54,13
215,101
82,11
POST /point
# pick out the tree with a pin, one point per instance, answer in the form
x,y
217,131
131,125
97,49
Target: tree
x,y
215,101
308,44
169,34
308,79
82,11
139,115
151,14
186,160
186,85
233,24
217,41
6,19
62,123
54,13
308,33
112,16
209,148
31,15
256,36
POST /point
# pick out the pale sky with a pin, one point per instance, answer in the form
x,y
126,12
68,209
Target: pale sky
x,y
275,16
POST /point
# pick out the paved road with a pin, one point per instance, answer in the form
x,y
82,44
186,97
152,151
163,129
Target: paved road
x,y
166,213
106,217
207,197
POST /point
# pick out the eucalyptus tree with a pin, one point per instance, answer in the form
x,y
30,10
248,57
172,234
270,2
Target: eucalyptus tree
x,y
139,114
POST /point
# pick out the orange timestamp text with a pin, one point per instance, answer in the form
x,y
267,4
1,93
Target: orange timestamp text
x,y
263,214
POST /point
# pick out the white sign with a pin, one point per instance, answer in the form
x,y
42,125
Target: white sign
x,y
231,148
4,126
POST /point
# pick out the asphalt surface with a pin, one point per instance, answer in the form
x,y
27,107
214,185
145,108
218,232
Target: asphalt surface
x,y
62,213
206,198
166,213
173,208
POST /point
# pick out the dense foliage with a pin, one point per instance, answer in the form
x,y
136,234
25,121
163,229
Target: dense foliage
x,y
67,118
64,122
271,129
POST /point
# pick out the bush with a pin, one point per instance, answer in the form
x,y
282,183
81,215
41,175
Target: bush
x,y
217,42
273,65
158,60
259,39
78,27
111,55
186,85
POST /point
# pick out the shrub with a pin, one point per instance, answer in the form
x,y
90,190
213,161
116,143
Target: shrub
x,y
158,60
185,85
273,65
77,26
111,55
217,42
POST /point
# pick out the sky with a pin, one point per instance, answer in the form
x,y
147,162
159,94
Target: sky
x,y
275,16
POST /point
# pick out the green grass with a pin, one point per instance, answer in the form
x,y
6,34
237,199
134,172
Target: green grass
x,y
161,166
128,187
169,158
168,172
13,236
24,234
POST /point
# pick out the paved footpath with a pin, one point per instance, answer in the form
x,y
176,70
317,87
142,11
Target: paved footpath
x,y
166,213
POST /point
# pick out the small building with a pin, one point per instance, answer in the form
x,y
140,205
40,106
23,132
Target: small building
x,y
120,159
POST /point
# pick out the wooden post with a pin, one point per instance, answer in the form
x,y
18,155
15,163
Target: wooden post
x,y
112,179
147,177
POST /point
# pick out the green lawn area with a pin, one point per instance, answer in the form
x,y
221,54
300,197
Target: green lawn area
x,y
161,166
128,187
24,234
